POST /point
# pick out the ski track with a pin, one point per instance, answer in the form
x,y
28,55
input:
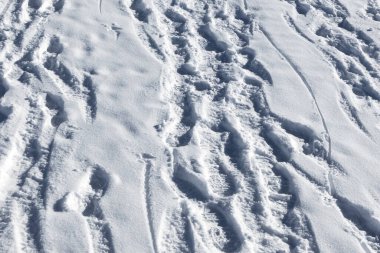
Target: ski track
x,y
232,195
304,80
344,73
100,6
360,67
148,198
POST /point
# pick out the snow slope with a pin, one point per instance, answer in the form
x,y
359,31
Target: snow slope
x,y
189,126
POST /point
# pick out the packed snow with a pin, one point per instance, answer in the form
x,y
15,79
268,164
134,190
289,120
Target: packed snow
x,y
172,126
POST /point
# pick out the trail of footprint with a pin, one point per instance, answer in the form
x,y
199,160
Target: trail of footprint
x,y
349,47
189,184
91,96
87,202
5,10
27,202
222,230
350,73
255,66
117,30
6,230
35,4
53,64
101,232
86,89
26,64
56,103
304,80
274,196
177,233
352,113
222,181
4,113
373,10
27,197
188,120
141,10
26,222
58,5
234,145
4,87
213,82
354,43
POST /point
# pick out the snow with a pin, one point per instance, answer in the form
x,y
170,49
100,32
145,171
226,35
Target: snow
x,y
189,126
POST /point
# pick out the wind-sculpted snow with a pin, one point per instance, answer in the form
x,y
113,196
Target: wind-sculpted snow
x,y
189,126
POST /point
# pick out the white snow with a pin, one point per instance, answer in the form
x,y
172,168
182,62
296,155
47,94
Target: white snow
x,y
189,126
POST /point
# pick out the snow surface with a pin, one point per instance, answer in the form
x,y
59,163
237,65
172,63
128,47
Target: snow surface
x,y
190,126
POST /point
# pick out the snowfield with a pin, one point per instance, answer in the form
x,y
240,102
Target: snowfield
x,y
172,126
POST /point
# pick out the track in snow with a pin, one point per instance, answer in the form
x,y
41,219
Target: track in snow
x,y
241,174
